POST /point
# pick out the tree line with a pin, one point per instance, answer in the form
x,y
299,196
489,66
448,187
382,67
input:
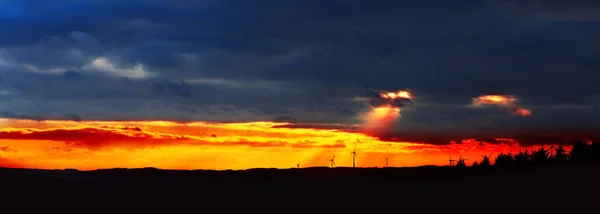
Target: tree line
x,y
581,152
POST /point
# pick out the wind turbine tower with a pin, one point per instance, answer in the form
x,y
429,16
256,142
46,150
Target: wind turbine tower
x,y
354,156
332,161
450,160
461,161
386,162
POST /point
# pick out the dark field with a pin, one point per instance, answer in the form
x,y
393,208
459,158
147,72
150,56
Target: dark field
x,y
542,188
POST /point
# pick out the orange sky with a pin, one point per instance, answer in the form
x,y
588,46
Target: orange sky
x,y
94,144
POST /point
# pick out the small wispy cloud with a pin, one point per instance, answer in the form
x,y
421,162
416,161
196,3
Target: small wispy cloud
x,y
234,83
4,61
46,71
103,64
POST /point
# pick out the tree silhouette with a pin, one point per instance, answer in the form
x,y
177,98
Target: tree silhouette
x,y
560,154
523,158
581,151
505,160
595,151
540,156
461,163
485,162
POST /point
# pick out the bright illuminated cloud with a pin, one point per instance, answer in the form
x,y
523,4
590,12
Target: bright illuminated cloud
x,y
381,117
104,65
523,112
386,107
506,101
503,100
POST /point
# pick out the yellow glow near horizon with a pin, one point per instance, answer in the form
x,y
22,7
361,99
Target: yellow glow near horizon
x,y
200,145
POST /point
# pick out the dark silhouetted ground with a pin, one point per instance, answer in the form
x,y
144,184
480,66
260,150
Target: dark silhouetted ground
x,y
565,187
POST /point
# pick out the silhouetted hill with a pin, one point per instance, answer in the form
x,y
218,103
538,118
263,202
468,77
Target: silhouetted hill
x,y
426,187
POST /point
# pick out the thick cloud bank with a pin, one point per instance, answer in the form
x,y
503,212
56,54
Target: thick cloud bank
x,y
231,61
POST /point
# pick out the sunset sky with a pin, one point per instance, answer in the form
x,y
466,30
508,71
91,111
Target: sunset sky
x,y
221,84
201,145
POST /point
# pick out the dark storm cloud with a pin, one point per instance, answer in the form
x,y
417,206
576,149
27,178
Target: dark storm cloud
x,y
73,117
523,137
306,58
286,118
23,87
13,115
73,76
178,88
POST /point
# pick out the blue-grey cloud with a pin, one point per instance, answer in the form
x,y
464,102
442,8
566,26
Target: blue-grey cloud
x,y
226,60
74,75
286,118
178,88
10,114
73,117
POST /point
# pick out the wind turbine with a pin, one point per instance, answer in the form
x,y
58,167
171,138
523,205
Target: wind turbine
x,y
489,158
450,160
354,156
332,161
461,161
386,161
298,165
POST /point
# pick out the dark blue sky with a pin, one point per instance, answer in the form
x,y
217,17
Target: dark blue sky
x,y
229,60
